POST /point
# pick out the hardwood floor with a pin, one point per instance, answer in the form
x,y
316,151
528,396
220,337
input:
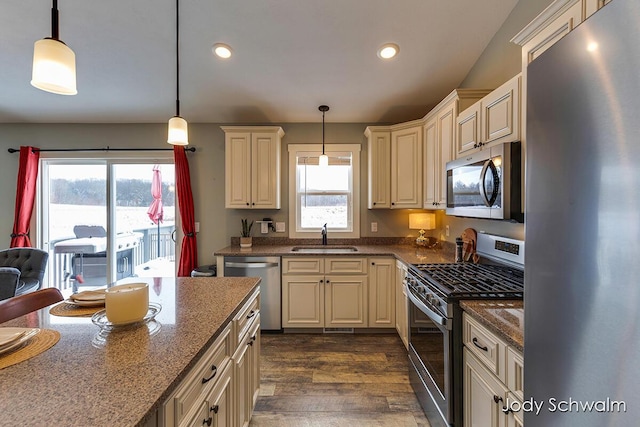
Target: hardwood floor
x,y
353,380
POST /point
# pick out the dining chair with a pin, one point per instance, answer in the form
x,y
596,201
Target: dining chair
x,y
26,303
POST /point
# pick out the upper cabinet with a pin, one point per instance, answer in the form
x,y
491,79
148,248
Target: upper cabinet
x,y
379,151
439,143
395,166
406,167
252,167
494,119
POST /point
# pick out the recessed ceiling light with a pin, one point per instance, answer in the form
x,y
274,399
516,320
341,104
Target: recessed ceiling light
x,y
222,50
388,51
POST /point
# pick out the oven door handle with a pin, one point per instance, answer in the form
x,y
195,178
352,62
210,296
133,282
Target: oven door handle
x,y
437,318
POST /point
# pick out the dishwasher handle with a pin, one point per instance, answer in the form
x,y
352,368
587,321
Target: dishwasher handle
x,y
251,264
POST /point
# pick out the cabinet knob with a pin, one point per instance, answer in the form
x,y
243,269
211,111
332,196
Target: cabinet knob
x,y
208,421
373,263
247,203
393,203
321,281
374,203
214,409
253,204
475,145
327,280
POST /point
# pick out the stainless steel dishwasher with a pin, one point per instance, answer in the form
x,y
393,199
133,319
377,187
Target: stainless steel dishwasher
x,y
268,269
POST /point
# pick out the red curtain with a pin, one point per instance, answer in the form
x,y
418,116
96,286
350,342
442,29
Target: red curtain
x,y
189,254
25,196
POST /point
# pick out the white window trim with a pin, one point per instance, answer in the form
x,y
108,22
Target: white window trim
x,y
293,205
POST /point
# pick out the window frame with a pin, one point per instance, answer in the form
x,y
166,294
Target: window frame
x,y
296,150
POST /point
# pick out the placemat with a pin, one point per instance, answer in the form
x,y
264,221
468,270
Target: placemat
x,y
42,341
65,309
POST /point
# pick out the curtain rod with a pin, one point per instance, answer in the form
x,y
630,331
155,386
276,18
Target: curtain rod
x,y
107,148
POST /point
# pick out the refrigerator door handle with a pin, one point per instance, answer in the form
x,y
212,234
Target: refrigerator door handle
x,y
489,166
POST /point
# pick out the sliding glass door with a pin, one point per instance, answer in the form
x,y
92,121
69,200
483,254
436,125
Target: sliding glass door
x,y
104,220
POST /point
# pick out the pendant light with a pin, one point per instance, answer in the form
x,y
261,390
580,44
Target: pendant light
x,y
54,63
324,159
178,131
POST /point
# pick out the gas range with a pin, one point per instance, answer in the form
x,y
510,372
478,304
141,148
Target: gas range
x,y
435,319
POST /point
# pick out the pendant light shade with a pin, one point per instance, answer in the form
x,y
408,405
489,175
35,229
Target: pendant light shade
x,y
178,128
54,63
323,161
178,131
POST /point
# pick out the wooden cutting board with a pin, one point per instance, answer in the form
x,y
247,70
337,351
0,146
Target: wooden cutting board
x,y
469,239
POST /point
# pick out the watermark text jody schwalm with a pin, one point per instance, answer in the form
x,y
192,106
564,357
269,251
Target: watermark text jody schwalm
x,y
566,405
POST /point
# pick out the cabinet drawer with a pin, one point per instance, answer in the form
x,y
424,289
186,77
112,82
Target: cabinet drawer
x,y
515,372
245,317
203,377
302,265
345,265
485,345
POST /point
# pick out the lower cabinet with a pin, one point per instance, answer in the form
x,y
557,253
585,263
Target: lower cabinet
x,y
222,388
492,379
402,304
338,292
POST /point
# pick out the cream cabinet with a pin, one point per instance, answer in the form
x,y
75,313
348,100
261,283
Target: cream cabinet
x,y
495,119
319,292
379,162
252,167
492,379
395,166
402,304
222,388
439,143
382,296
406,167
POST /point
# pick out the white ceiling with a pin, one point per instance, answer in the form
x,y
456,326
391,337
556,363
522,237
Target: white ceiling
x,y
289,57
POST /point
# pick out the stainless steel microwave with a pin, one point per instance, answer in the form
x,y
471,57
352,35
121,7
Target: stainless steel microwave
x,y
487,184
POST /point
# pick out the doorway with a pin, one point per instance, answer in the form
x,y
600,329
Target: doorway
x,y
101,220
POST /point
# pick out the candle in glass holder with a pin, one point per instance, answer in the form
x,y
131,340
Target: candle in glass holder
x,y
127,303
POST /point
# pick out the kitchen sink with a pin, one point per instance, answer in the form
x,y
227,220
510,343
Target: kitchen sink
x,y
322,249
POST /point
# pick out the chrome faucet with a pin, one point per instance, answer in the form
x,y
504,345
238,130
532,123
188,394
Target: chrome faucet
x,y
324,234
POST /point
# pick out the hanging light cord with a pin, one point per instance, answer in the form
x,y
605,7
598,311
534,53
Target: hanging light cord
x,y
177,58
323,132
54,21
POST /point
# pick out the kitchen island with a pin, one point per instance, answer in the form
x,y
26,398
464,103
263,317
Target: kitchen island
x,y
126,377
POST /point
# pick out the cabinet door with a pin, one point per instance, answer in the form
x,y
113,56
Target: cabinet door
x,y
446,145
406,168
484,395
501,113
237,154
265,168
431,161
379,145
382,310
247,374
468,129
221,401
402,317
345,301
303,301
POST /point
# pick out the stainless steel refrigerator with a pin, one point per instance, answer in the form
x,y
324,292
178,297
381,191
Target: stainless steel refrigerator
x,y
582,265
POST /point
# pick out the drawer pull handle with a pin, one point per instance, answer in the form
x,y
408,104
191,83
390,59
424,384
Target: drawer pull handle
x,y
208,421
250,315
251,340
215,371
481,347
215,409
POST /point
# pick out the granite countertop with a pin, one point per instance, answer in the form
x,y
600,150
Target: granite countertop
x,y
126,379
503,317
409,254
